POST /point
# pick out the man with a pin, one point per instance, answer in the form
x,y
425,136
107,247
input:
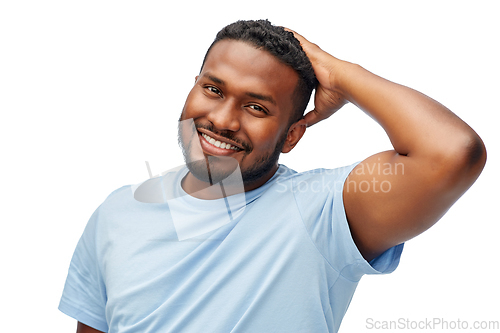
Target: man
x,y
289,256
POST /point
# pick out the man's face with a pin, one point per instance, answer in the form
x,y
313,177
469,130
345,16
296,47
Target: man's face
x,y
241,105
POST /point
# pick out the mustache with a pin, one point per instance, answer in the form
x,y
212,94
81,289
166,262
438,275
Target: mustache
x,y
225,134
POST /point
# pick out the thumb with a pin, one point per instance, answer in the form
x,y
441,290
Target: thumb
x,y
312,117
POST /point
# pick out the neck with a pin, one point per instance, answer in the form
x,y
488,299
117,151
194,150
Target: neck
x,y
206,191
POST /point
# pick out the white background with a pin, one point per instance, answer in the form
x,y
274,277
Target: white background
x,y
90,90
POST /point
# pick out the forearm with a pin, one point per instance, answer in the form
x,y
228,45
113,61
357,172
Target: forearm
x,y
417,125
438,155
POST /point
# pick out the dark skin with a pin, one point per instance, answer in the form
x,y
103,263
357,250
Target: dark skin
x,y
248,93
438,155
82,328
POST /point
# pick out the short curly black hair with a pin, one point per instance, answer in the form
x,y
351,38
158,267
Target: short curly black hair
x,y
284,46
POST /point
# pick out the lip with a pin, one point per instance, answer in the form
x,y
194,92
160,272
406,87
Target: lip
x,y
213,150
220,138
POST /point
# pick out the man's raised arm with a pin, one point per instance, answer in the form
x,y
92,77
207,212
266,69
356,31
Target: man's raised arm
x,y
395,195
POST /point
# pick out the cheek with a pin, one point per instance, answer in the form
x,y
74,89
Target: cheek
x,y
265,133
196,106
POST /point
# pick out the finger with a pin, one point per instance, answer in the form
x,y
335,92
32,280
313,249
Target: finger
x,y
303,41
317,57
296,34
313,117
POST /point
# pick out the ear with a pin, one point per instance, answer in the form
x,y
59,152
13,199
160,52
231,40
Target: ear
x,y
196,78
295,133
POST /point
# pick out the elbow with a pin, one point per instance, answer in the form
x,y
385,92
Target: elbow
x,y
465,159
475,152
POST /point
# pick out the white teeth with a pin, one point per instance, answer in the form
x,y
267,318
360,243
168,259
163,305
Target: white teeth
x,y
218,143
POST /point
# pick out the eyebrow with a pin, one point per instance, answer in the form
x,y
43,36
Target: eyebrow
x,y
214,79
266,98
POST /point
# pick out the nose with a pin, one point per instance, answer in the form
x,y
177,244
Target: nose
x,y
225,116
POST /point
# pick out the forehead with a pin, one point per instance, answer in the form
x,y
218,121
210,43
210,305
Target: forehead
x,y
242,66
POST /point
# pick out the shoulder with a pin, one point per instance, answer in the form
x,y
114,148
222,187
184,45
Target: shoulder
x,y
118,197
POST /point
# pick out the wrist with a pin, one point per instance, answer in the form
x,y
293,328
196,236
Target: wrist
x,y
341,77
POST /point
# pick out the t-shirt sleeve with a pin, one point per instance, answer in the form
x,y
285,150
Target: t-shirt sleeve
x,y
322,209
84,294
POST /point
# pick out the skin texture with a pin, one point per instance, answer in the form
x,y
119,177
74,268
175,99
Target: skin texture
x,y
243,96
436,156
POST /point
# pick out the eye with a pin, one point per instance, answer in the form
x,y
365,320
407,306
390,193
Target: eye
x,y
257,108
214,90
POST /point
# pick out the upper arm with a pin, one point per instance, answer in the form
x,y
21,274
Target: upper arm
x,y
82,328
390,198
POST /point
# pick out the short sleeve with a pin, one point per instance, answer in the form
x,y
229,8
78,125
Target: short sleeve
x,y
322,209
84,294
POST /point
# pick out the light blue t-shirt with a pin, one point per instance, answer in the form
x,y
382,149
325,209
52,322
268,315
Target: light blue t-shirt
x,y
283,262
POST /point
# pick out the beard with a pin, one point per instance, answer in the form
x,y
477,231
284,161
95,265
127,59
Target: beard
x,y
214,169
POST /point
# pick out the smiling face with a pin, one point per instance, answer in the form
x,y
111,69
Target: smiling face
x,y
241,105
